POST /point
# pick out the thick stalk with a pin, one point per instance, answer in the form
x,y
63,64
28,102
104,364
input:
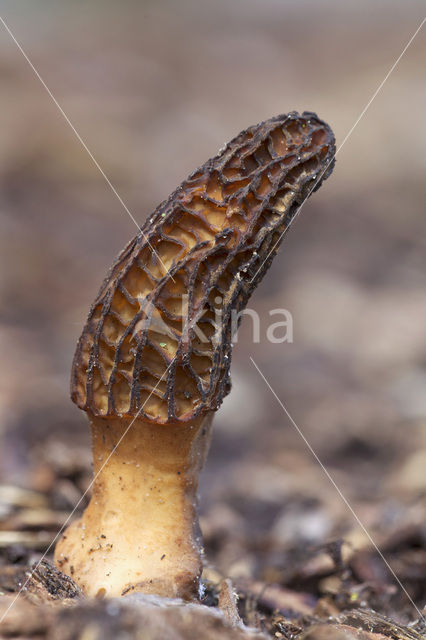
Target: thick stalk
x,y
140,530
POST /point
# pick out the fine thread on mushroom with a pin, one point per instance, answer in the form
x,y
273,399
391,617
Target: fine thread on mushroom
x,y
80,139
77,505
333,482
351,130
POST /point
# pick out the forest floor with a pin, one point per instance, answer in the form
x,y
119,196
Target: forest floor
x,y
337,589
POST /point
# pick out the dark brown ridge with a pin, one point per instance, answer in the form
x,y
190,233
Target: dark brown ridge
x,y
157,342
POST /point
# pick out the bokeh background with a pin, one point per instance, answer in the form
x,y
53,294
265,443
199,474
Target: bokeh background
x,y
154,88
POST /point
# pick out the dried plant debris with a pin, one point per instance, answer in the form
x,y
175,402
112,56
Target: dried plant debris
x,y
138,617
52,606
375,623
157,342
45,583
227,603
322,600
144,616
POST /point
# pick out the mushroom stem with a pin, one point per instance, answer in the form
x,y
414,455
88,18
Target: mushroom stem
x,y
140,530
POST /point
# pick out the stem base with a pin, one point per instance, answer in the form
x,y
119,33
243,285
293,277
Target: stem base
x,y
140,530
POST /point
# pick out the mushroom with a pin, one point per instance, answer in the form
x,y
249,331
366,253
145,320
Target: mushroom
x,y
152,363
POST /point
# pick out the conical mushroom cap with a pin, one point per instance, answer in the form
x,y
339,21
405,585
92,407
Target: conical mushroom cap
x,y
157,342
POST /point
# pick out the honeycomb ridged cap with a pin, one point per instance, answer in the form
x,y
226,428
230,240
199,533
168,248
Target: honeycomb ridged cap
x,y
157,342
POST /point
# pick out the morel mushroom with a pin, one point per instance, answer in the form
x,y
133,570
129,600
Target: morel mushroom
x,y
152,363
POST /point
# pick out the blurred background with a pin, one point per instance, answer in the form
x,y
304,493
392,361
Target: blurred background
x,y
155,88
